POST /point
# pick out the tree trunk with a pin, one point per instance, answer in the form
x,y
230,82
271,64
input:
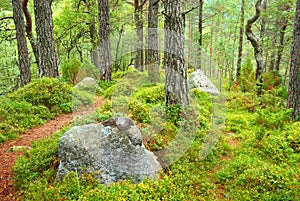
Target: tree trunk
x,y
240,52
94,54
152,50
176,91
200,27
24,62
257,47
281,44
45,39
29,31
139,58
104,31
294,83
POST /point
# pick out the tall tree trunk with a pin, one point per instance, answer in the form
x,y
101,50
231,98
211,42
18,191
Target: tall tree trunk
x,y
93,34
257,47
294,83
104,31
45,39
176,91
29,31
152,52
139,58
240,52
273,55
281,44
200,27
23,58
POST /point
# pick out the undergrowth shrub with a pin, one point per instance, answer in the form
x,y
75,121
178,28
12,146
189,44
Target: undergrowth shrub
x,y
49,92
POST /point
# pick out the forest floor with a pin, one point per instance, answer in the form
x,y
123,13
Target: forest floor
x,y
8,155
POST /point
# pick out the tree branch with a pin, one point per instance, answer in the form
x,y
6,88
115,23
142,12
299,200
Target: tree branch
x,y
6,17
191,9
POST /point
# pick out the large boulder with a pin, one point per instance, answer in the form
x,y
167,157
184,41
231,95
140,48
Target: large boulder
x,y
112,151
199,80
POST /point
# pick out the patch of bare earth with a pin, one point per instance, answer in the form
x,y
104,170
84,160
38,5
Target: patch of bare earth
x,y
8,158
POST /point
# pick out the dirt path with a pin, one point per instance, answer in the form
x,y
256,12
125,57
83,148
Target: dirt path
x,y
8,158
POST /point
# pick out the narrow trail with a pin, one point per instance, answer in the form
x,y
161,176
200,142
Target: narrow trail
x,y
8,158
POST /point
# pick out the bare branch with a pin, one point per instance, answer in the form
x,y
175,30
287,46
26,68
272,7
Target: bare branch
x,y
191,9
6,17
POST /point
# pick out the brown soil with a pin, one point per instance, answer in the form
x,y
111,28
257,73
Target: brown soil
x,y
8,158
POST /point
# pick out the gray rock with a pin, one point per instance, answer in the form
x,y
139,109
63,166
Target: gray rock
x,y
87,84
112,151
199,80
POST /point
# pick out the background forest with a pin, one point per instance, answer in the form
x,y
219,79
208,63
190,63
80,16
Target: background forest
x,y
248,49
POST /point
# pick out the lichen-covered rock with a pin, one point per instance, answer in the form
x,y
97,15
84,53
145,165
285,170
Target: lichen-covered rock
x,y
112,151
199,80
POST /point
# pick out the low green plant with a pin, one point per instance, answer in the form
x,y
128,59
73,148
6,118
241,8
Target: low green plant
x,y
49,92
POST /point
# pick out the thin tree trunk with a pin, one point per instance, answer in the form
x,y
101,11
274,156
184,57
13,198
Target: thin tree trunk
x,y
104,31
29,31
200,27
45,39
93,34
257,47
294,83
240,52
281,45
152,52
23,58
176,91
139,59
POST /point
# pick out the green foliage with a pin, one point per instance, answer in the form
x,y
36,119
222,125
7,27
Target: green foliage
x,y
143,100
49,92
247,78
255,159
70,69
104,112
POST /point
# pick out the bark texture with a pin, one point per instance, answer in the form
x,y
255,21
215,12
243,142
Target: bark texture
x,y
45,39
257,47
176,91
29,30
241,38
200,27
104,31
281,44
152,50
294,83
139,58
23,58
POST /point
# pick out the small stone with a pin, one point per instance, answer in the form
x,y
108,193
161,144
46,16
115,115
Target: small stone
x,y
19,148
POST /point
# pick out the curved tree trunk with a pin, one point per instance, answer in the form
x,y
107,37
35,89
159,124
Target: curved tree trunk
x,y
29,30
176,91
104,31
24,62
45,39
294,83
152,50
257,47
